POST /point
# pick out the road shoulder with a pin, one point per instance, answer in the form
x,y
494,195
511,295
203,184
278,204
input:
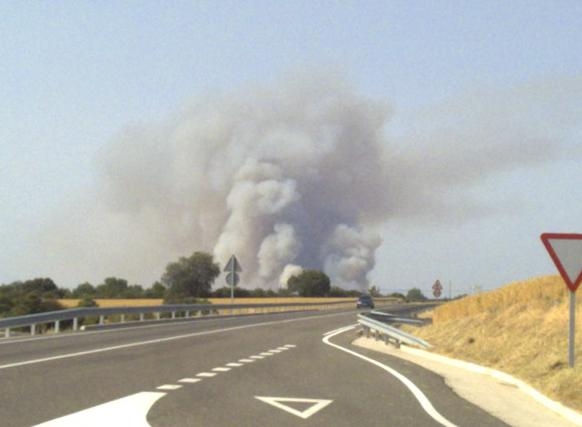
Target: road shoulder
x,y
500,398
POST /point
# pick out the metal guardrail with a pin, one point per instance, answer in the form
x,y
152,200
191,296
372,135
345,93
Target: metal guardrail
x,y
185,310
393,318
390,333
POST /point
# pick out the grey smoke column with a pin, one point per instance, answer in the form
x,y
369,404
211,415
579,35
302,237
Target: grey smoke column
x,y
293,175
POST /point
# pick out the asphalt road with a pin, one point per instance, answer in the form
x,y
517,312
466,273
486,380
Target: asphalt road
x,y
269,370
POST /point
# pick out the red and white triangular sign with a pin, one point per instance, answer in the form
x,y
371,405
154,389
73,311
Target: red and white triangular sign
x,y
565,249
316,405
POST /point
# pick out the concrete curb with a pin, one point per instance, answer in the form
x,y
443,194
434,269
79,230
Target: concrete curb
x,y
568,413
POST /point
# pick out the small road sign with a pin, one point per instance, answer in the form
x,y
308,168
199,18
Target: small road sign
x,y
232,279
233,265
565,249
232,268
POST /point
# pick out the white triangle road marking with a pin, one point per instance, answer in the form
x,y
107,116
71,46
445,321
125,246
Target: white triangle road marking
x,y
318,405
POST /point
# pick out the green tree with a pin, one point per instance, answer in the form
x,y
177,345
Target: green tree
x,y
190,277
397,295
84,290
112,287
156,291
374,291
415,294
310,283
32,296
134,291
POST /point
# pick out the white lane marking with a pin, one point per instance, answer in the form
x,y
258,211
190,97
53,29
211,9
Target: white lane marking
x,y
256,357
274,351
131,410
206,374
166,339
290,345
318,405
220,369
234,365
342,329
282,348
169,387
417,393
189,380
266,354
246,360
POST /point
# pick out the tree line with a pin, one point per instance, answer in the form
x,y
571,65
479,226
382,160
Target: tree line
x,y
187,280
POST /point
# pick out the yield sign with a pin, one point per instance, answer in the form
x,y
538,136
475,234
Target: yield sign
x,y
315,405
566,252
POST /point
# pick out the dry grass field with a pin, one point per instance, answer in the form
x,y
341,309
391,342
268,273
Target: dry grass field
x,y
521,329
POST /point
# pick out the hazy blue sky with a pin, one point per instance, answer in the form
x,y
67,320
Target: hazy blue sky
x,y
75,74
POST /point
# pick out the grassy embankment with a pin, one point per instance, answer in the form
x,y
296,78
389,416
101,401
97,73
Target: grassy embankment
x,y
521,329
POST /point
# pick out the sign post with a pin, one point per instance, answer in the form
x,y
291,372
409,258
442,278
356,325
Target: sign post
x,y
232,278
565,249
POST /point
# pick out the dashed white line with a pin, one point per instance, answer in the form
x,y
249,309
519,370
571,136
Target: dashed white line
x,y
220,369
189,380
246,360
290,345
282,348
266,354
256,357
234,365
169,387
274,351
206,374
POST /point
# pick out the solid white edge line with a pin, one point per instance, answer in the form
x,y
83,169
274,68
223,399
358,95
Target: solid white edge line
x,y
166,339
416,392
553,405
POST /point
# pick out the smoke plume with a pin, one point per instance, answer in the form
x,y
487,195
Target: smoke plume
x,y
296,176
281,177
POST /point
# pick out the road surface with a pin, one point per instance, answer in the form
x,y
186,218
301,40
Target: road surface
x,y
294,369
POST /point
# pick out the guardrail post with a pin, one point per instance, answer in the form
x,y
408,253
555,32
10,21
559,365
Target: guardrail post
x,y
187,314
122,318
75,323
33,329
57,326
7,332
173,314
141,317
101,320
158,315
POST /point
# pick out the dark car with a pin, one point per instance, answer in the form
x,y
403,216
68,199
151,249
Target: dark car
x,y
365,301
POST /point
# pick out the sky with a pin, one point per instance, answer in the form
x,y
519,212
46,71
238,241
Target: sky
x,y
482,126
